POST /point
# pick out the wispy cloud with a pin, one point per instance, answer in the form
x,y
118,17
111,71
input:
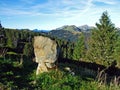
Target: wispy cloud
x,y
88,6
55,7
9,12
63,8
110,2
71,11
28,1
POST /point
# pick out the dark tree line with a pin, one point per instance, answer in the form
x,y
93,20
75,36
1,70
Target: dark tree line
x,y
16,42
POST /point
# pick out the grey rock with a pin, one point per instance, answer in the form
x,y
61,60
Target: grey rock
x,y
45,51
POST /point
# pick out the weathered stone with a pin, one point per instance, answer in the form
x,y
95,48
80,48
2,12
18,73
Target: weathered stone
x,y
45,51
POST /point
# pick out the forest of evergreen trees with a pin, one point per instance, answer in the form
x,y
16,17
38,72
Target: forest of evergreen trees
x,y
102,47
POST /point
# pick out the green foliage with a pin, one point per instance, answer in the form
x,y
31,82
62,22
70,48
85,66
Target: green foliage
x,y
2,39
117,52
6,73
64,81
16,77
28,49
19,42
102,43
65,48
79,49
0,25
57,80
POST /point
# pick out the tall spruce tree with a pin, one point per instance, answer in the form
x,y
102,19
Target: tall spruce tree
x,y
28,50
79,48
103,40
117,51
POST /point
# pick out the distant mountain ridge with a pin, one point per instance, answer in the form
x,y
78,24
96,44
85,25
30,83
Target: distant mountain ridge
x,y
37,30
69,28
64,35
69,32
85,28
73,28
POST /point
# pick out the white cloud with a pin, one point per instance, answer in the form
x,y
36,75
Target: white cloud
x,y
110,2
61,8
58,8
64,11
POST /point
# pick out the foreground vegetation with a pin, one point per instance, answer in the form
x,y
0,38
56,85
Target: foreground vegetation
x,y
14,76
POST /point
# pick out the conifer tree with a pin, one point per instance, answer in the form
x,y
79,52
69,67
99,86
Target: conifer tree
x,y
102,43
0,25
79,49
28,50
117,51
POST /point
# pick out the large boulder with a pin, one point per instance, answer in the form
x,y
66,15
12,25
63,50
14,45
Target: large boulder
x,y
45,51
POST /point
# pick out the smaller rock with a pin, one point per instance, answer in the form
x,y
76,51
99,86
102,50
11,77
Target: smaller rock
x,y
67,69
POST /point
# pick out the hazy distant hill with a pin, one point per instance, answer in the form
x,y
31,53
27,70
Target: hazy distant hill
x,y
36,30
64,34
71,28
85,28
69,32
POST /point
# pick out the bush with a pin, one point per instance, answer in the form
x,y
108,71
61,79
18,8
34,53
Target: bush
x,y
57,80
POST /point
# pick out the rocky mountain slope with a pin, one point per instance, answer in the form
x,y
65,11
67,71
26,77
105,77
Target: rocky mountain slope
x,y
69,32
64,34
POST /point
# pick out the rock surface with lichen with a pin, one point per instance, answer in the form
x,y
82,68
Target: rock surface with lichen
x,y
45,51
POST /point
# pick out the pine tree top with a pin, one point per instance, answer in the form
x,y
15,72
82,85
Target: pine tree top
x,y
0,25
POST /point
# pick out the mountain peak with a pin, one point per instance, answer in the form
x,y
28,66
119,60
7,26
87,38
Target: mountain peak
x,y
69,28
85,28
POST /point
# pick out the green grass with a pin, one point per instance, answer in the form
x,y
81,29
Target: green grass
x,y
59,80
12,53
14,77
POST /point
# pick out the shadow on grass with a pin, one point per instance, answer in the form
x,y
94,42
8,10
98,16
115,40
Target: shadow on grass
x,y
23,79
90,69
14,75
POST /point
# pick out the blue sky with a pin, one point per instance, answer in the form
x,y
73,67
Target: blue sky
x,y
51,14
